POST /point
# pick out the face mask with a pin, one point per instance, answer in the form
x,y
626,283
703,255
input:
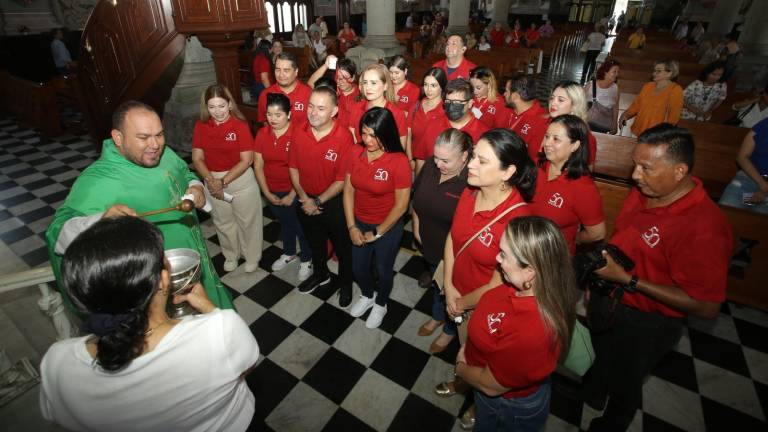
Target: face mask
x,y
454,111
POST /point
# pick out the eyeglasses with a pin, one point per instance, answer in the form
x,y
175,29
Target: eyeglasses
x,y
449,102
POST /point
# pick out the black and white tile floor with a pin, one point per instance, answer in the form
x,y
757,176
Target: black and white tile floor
x,y
322,370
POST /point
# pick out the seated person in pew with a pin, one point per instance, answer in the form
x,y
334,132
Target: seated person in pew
x,y
680,242
751,110
659,101
637,39
749,187
703,96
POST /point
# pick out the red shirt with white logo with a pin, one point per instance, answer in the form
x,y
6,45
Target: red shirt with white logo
x,y
408,96
474,267
275,152
299,98
419,121
320,163
375,183
465,67
507,334
489,111
531,125
567,202
425,147
686,244
357,111
222,144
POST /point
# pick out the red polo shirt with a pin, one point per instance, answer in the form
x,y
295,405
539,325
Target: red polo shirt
x,y
299,98
474,267
261,64
419,121
425,147
222,144
686,244
275,152
320,163
507,334
375,183
460,72
346,103
531,125
533,150
496,37
357,112
568,203
408,96
489,111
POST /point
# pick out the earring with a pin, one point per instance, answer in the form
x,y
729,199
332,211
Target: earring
x,y
504,186
527,285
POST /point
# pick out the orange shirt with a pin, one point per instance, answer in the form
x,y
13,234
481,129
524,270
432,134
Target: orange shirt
x,y
652,108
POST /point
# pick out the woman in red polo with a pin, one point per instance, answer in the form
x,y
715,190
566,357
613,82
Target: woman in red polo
x,y
406,92
222,153
428,110
568,97
376,193
565,191
376,88
501,178
347,90
520,328
270,163
488,104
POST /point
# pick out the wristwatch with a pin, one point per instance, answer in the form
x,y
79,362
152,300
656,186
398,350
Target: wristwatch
x,y
632,285
318,202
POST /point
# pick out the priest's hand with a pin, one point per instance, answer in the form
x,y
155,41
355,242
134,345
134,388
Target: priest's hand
x,y
197,193
119,210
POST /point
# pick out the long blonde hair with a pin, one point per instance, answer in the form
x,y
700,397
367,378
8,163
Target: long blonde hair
x,y
485,75
220,91
537,242
578,99
381,70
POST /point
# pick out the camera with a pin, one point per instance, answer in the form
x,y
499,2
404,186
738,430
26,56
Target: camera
x,y
586,263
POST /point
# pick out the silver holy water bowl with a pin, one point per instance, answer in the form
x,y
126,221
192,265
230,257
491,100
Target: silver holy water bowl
x,y
185,273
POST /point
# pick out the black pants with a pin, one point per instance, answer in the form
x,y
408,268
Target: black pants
x,y
589,64
625,355
329,225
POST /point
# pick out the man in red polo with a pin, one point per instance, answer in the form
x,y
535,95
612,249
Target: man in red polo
x,y
526,118
458,115
680,243
286,75
316,164
455,65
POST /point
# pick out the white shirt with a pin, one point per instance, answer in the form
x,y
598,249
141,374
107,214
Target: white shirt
x,y
596,41
189,382
754,116
484,46
606,97
319,47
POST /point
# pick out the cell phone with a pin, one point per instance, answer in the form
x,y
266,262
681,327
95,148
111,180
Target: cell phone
x,y
332,63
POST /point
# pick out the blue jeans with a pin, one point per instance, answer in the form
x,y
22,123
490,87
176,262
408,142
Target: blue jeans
x,y
438,307
733,194
383,251
290,228
525,414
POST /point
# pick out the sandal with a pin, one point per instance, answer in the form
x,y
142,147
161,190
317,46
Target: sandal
x,y
467,420
437,348
424,330
445,389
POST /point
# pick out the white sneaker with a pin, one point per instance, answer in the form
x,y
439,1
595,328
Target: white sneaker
x,y
376,316
283,261
230,265
250,268
361,305
305,270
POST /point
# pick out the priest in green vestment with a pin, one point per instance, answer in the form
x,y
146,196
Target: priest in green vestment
x,y
134,174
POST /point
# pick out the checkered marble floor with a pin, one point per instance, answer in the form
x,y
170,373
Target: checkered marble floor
x,y
322,370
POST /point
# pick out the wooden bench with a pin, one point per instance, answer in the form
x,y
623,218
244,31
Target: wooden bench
x,y
34,103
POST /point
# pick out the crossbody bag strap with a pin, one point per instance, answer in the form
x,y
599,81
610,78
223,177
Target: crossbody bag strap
x,y
594,90
496,219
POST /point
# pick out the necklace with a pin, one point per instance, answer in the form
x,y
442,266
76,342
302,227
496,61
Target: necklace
x,y
151,330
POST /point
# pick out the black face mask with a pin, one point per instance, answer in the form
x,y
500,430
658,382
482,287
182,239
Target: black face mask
x,y
453,111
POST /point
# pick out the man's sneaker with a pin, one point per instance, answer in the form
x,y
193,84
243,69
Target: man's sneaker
x,y
314,281
251,267
305,270
345,296
361,305
283,261
230,265
376,316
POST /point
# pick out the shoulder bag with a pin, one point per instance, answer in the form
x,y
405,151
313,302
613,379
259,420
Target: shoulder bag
x,y
599,117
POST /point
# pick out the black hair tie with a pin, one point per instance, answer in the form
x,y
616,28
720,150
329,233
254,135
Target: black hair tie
x,y
102,324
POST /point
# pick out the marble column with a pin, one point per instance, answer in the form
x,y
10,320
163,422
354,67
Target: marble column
x,y
380,16
458,17
753,66
183,108
500,12
724,17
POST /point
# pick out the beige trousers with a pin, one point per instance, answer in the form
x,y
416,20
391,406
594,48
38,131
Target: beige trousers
x,y
239,223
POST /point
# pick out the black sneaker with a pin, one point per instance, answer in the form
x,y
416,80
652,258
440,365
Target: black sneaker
x,y
314,281
345,296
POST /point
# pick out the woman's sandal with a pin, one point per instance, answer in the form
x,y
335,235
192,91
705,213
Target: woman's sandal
x,y
467,420
424,329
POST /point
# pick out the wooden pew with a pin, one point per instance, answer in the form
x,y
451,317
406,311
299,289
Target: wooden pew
x,y
34,103
613,194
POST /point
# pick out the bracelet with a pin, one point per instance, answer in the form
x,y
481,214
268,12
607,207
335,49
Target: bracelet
x,y
349,228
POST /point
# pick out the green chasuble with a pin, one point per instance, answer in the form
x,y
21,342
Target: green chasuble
x,y
112,179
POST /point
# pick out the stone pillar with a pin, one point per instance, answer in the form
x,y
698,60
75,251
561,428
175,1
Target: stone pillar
x,y
753,67
183,108
723,17
458,17
500,12
380,15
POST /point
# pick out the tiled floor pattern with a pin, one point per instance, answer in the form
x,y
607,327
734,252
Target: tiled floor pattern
x,y
322,370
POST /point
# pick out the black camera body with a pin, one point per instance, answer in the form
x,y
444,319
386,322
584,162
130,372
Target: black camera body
x,y
586,263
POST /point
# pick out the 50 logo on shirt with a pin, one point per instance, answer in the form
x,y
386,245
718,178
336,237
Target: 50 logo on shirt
x,y
331,155
298,106
494,320
230,137
652,237
556,200
381,175
486,237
